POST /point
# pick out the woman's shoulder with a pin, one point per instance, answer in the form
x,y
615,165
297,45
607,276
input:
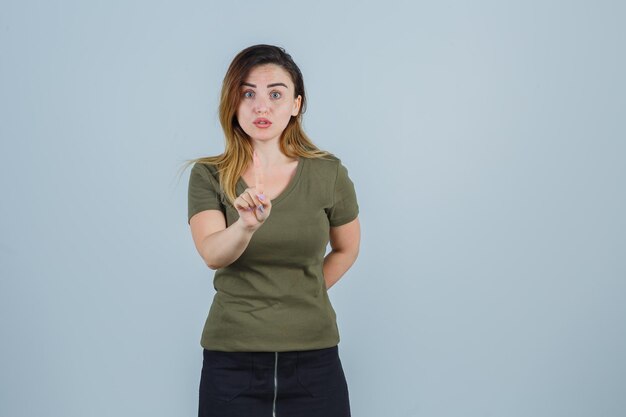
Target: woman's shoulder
x,y
329,164
205,166
326,161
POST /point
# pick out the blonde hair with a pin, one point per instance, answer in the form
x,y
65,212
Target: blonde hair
x,y
238,150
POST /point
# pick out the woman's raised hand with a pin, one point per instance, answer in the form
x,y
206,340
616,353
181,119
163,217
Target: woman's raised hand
x,y
253,207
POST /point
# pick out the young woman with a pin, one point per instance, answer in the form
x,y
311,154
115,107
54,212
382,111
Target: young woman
x,y
261,215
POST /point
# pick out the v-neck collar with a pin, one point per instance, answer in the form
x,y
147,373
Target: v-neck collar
x,y
292,184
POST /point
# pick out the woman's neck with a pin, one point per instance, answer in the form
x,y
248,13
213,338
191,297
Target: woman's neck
x,y
270,155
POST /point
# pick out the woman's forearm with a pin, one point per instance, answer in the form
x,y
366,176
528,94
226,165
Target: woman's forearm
x,y
222,248
336,263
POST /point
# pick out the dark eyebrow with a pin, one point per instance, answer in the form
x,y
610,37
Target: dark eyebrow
x,y
268,86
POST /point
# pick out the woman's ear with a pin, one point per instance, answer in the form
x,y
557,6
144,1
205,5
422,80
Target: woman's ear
x,y
296,105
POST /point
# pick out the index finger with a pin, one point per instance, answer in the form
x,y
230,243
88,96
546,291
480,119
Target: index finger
x,y
258,172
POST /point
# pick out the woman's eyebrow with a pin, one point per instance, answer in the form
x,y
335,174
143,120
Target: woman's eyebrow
x,y
268,86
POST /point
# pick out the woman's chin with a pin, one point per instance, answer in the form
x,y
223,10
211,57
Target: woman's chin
x,y
263,138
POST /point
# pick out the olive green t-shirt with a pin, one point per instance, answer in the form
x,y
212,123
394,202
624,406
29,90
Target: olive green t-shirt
x,y
273,298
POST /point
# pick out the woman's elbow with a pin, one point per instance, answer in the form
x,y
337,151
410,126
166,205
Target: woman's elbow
x,y
215,264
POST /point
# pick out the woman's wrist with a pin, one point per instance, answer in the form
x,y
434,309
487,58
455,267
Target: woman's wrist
x,y
244,228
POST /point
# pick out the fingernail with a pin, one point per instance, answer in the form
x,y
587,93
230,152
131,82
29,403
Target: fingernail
x,y
261,209
261,197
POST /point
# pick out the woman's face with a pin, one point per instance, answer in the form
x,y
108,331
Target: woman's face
x,y
267,102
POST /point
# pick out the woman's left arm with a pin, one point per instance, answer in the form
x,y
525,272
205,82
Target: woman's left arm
x,y
344,241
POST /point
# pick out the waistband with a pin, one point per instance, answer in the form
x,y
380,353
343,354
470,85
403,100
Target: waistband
x,y
270,357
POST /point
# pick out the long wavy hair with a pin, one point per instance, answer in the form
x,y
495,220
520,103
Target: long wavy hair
x,y
238,146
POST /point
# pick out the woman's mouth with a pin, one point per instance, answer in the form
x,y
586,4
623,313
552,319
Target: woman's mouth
x,y
262,123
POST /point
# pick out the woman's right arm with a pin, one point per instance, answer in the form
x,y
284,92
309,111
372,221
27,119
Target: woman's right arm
x,y
218,245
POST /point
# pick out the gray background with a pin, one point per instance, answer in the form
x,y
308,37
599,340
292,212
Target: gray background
x,y
486,143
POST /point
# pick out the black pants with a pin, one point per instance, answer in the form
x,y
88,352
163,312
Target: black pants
x,y
308,383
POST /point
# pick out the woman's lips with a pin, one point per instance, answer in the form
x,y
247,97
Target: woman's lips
x,y
262,123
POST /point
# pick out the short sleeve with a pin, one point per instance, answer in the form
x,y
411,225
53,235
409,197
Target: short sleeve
x,y
345,207
203,191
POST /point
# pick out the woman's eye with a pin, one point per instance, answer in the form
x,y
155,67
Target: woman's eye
x,y
275,94
248,94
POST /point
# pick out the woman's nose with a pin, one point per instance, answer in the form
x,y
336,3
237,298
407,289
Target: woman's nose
x,y
261,105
